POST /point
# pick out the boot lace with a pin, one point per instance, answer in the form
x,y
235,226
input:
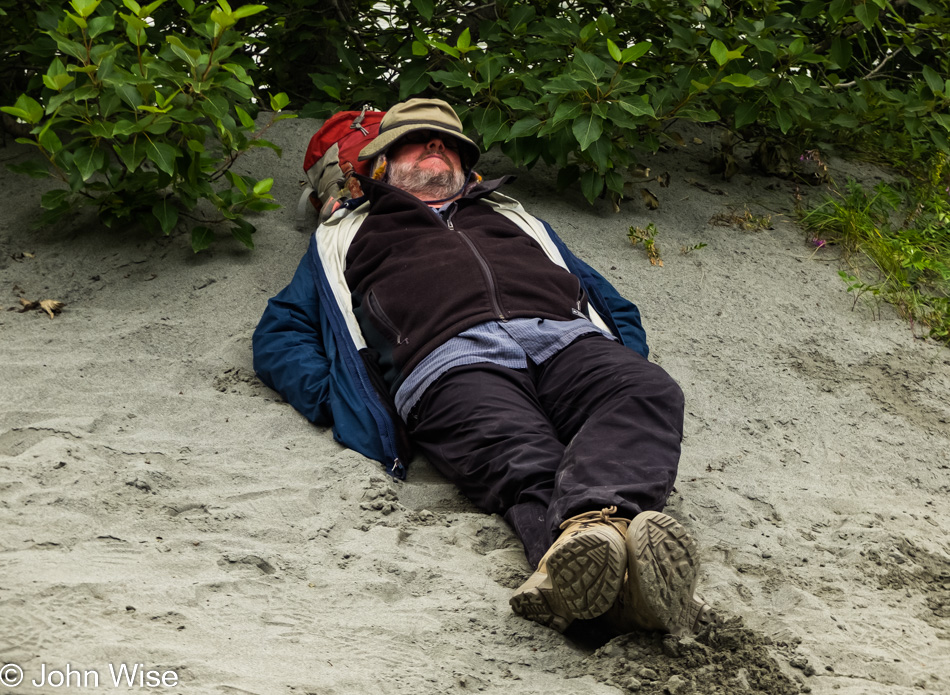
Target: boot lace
x,y
589,519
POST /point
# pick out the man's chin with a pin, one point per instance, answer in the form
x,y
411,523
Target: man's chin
x,y
434,164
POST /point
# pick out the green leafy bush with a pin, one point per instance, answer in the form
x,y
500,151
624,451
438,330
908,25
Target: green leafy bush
x,y
141,114
585,84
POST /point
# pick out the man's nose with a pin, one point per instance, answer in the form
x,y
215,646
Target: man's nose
x,y
435,142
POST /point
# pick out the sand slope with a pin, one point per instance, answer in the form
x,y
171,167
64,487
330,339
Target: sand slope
x,y
160,506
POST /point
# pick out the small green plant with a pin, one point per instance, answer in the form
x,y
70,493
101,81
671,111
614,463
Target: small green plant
x,y
902,229
647,237
143,118
743,220
689,249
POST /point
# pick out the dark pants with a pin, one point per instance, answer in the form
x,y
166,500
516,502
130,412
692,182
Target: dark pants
x,y
594,426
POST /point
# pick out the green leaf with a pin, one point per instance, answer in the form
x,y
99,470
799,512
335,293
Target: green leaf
x,y
719,52
85,93
632,53
867,14
248,10
132,154
587,128
419,48
56,76
698,114
784,119
166,213
263,186
739,80
519,103
637,106
934,81
88,161
567,111
242,231
84,8
838,9
163,156
425,8
33,168
50,141
151,7
615,181
528,125
27,108
592,67
465,40
70,48
746,113
246,120
56,199
614,51
562,84
600,151
414,79
77,20
841,52
201,238
592,184
260,142
189,55
100,25
490,68
215,105
102,129
943,119
279,101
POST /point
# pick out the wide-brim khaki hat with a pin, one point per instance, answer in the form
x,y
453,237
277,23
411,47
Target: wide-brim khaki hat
x,y
421,114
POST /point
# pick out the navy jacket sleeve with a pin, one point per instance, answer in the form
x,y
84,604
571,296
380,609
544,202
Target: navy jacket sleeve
x,y
289,354
622,315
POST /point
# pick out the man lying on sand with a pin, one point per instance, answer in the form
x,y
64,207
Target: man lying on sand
x,y
435,312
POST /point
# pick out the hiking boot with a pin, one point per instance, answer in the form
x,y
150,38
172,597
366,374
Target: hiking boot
x,y
662,570
581,574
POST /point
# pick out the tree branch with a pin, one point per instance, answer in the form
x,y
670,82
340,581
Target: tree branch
x,y
870,75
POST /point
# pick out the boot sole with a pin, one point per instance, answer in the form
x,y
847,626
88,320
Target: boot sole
x,y
587,572
663,573
535,600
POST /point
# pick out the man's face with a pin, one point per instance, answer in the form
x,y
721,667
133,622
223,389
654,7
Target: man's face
x,y
427,164
427,150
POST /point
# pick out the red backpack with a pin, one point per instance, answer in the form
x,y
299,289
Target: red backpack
x,y
336,144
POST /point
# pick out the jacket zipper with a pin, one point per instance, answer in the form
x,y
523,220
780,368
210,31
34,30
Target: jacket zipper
x,y
377,310
485,268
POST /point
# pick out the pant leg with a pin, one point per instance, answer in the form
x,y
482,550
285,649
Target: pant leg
x,y
483,428
622,417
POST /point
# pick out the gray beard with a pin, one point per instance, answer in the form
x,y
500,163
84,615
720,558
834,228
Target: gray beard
x,y
425,184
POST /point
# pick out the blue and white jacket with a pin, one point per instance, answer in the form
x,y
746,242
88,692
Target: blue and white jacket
x,y
308,344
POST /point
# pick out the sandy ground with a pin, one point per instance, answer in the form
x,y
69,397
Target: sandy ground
x,y
160,507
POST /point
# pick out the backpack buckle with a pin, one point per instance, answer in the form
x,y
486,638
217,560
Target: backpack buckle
x,y
358,121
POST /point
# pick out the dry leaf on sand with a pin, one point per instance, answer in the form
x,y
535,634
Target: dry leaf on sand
x,y
649,199
50,306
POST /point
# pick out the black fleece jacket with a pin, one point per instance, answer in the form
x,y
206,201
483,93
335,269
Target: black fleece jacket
x,y
417,279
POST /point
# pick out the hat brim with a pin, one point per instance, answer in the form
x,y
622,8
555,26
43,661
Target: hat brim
x,y
382,142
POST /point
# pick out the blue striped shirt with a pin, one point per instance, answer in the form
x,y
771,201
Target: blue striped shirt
x,y
506,343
